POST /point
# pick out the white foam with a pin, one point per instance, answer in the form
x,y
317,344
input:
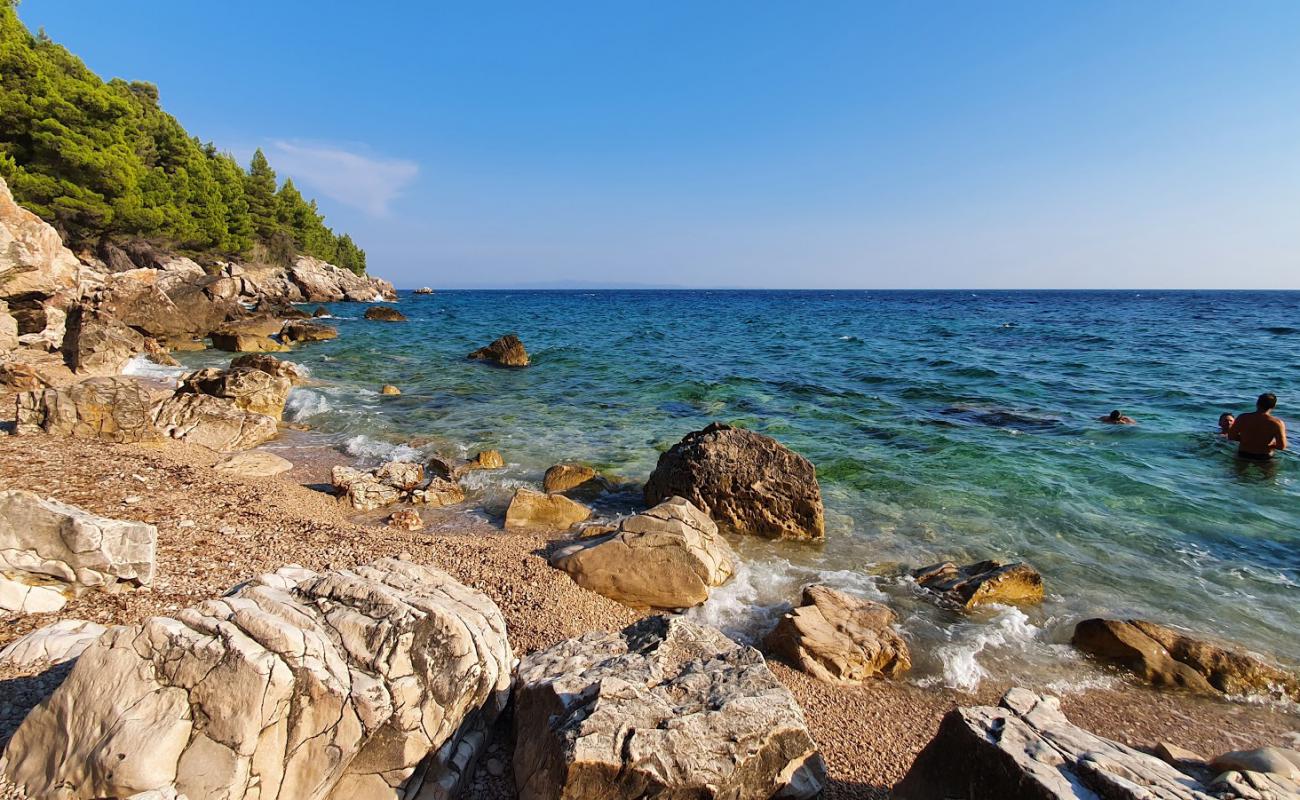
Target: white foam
x,y
367,449
143,367
305,403
962,669
748,605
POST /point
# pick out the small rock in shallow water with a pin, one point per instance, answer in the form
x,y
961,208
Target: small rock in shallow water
x,y
840,639
533,508
982,582
507,351
390,389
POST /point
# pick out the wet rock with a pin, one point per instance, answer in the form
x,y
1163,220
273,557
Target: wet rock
x,y
507,351
1163,656
384,314
532,508
51,645
113,409
982,582
439,492
374,682
401,475
321,311
95,343
564,477
666,708
746,482
840,639
158,354
407,519
667,557
423,290
390,390
298,330
454,469
254,464
1025,747
249,389
271,366
216,423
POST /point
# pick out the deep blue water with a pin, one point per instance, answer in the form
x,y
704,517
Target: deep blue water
x,y
944,425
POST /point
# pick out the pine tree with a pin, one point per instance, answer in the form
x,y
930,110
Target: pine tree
x,y
259,191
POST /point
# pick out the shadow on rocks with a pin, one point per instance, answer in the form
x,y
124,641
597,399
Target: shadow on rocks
x,y
21,694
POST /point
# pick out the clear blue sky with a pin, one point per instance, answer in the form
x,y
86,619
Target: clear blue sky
x,y
823,144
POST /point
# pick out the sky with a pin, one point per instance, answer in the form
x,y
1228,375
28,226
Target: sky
x,y
757,144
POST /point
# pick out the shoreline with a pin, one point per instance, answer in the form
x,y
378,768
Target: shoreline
x,y
242,527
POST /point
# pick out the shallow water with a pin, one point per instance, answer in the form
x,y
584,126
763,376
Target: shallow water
x,y
944,425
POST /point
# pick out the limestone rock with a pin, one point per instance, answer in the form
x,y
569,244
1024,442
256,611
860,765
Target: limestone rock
x,y
23,593
214,422
507,351
271,366
384,314
370,495
982,582
532,508
169,304
746,482
155,352
8,329
95,343
439,492
53,539
112,409
1164,657
233,341
407,519
298,330
321,311
1236,785
254,464
563,477
376,682
667,557
366,491
54,644
487,459
401,475
667,708
454,469
1275,760
49,334
249,389
1025,747
33,260
840,639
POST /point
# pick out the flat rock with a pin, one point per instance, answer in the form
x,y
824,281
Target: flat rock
x,y
666,708
533,508
54,644
667,557
507,351
116,410
982,582
254,464
24,593
564,477
1275,760
840,639
300,330
746,482
216,423
375,682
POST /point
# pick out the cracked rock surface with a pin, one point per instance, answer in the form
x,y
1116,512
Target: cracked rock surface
x,y
839,638
666,708
375,682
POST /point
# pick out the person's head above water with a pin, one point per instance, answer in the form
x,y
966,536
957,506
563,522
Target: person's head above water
x,y
1117,415
1225,421
1266,402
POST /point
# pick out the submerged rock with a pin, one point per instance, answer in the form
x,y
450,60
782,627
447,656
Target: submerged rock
x,y
840,639
982,582
533,508
1163,656
1025,747
390,389
746,482
384,314
454,469
507,351
666,708
374,682
667,557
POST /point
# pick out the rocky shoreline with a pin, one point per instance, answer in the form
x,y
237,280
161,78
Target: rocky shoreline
x,y
386,654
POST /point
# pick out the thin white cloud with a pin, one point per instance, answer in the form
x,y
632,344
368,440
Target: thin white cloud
x,y
355,179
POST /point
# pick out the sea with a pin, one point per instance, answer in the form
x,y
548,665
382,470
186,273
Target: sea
x,y
947,425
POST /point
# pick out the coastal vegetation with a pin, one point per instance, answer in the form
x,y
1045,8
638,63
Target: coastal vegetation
x,y
102,161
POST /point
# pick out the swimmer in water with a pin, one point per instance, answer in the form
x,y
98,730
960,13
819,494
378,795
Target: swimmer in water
x,y
1259,433
1225,423
1117,417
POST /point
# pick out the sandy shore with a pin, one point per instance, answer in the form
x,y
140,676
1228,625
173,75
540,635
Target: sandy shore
x,y
215,531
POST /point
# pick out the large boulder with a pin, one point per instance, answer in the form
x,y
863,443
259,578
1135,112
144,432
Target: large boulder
x,y
320,282
113,409
840,639
982,582
270,365
45,540
301,330
249,389
745,481
1163,656
376,682
566,477
213,422
33,260
667,557
95,343
533,508
384,314
170,305
507,351
1026,748
666,708
250,335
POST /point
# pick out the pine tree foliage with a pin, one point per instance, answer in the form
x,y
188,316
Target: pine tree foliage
x,y
103,161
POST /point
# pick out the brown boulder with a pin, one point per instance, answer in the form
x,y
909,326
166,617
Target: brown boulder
x,y
563,477
170,304
213,422
746,482
982,582
321,311
439,492
95,343
299,330
250,389
389,390
270,365
110,408
507,351
1164,657
454,469
533,508
384,314
840,639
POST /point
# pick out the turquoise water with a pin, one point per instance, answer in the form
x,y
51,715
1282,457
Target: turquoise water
x,y
944,425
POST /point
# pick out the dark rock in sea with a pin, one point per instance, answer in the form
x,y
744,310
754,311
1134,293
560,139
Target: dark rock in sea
x,y
304,331
320,311
744,481
982,582
385,314
507,351
1165,657
424,290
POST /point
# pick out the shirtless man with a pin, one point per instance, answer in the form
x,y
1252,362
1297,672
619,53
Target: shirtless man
x,y
1258,433
1117,417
